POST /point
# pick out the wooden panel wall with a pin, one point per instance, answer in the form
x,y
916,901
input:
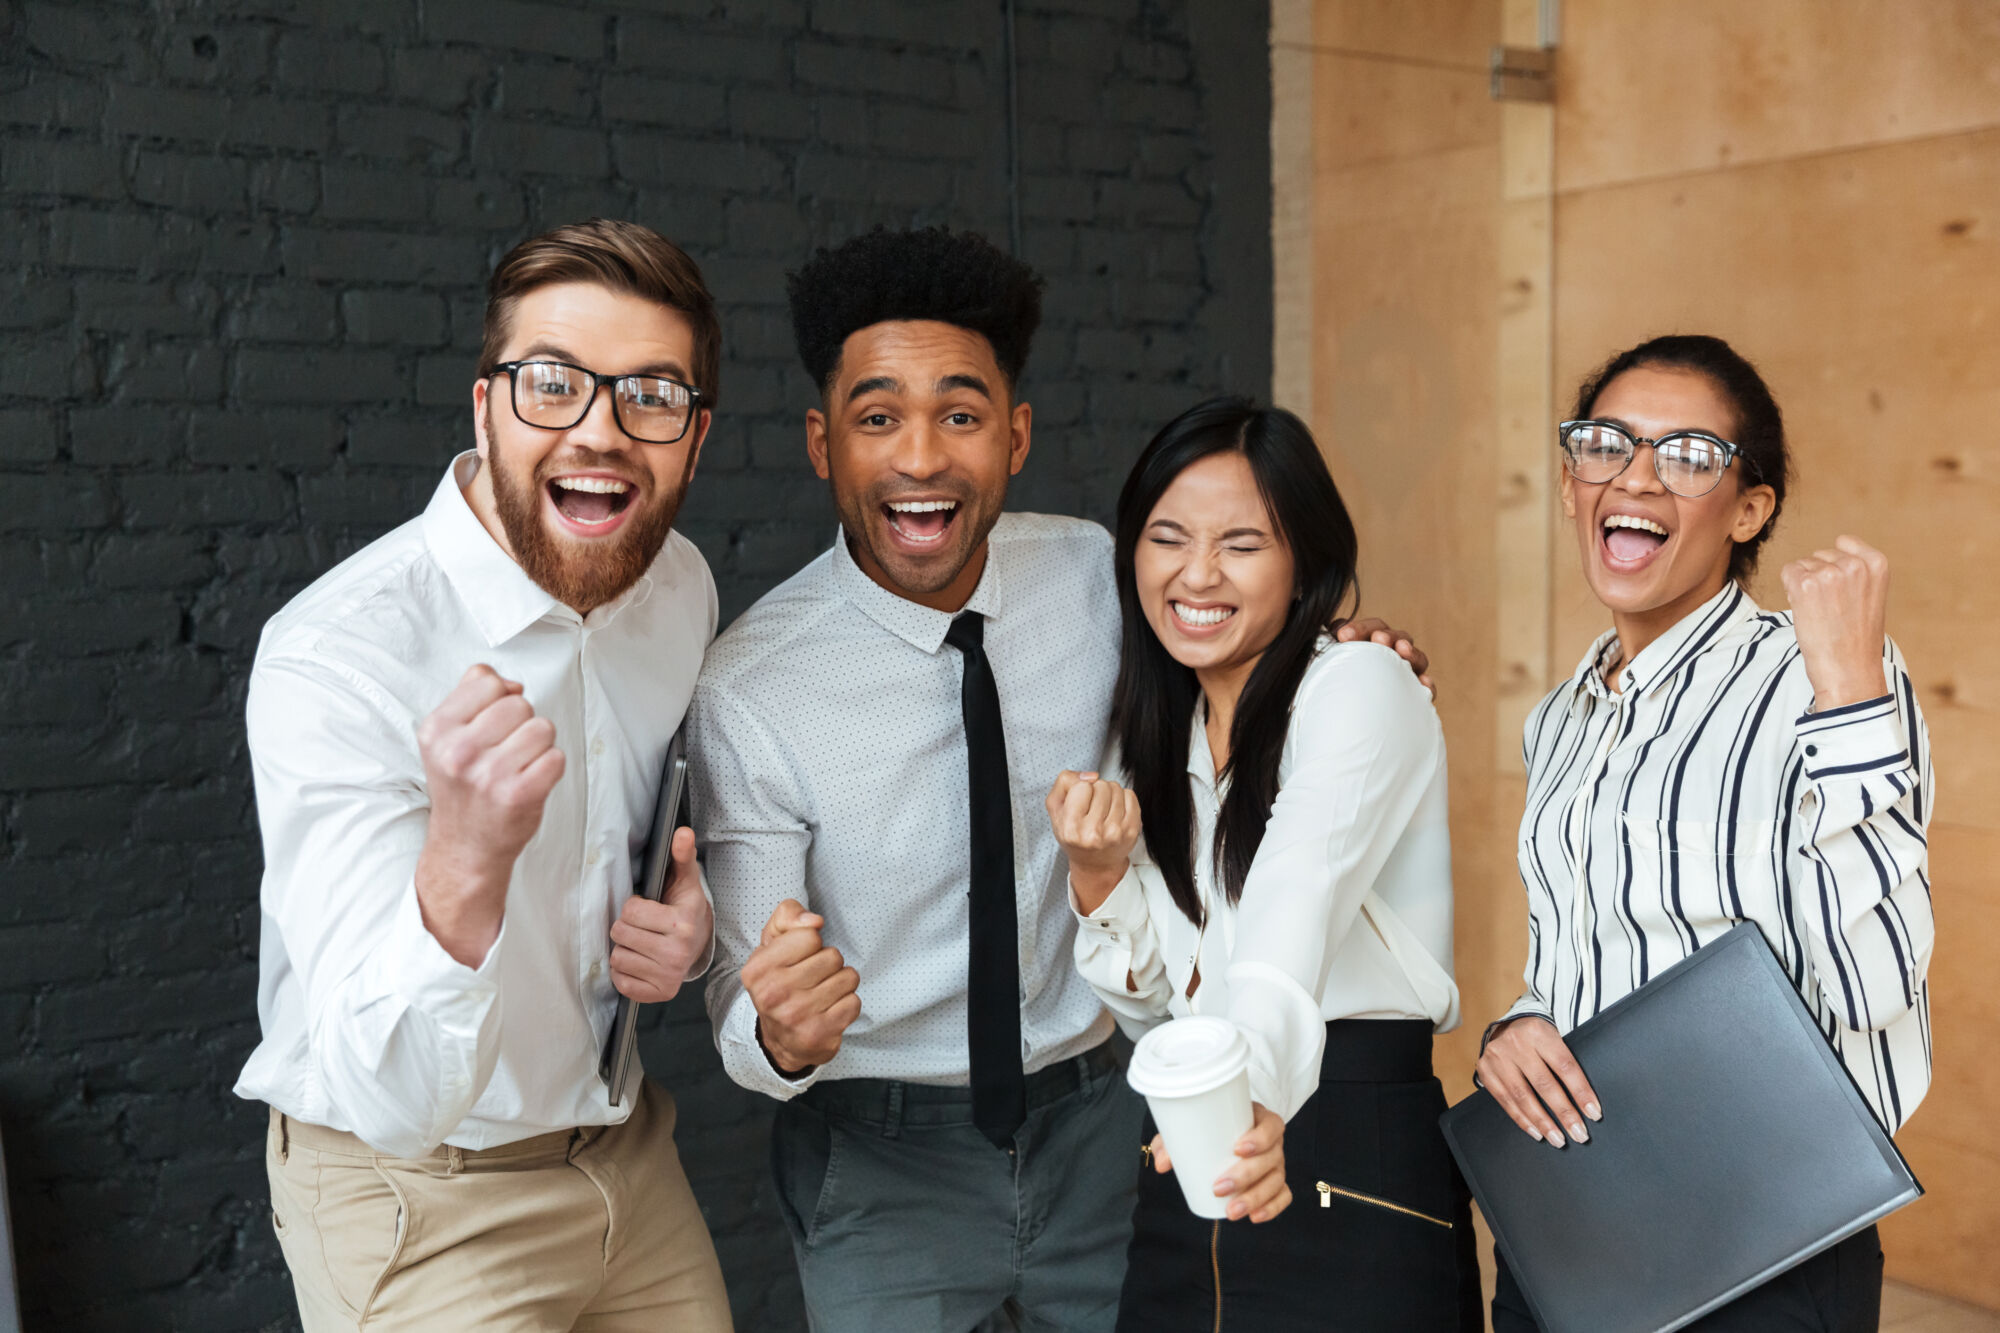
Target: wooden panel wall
x,y
1818,183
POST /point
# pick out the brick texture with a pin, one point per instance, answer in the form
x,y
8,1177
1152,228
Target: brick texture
x,y
241,256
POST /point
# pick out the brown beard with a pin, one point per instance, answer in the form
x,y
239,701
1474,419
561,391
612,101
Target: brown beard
x,y
578,577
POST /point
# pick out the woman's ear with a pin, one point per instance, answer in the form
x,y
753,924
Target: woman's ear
x,y
1754,508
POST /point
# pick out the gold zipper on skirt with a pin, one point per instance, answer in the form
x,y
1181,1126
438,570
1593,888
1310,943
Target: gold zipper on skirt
x,y
1326,1193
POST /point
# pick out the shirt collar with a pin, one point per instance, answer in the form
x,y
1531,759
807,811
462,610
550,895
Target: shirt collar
x,y
1662,659
919,626
501,597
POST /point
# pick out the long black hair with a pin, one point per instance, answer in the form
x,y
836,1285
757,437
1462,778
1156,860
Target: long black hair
x,y
1152,711
1760,426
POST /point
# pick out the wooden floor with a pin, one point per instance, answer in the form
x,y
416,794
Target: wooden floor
x,y
1909,1310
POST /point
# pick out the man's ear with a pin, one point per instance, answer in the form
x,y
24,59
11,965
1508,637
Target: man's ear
x,y
816,442
702,421
481,405
1019,423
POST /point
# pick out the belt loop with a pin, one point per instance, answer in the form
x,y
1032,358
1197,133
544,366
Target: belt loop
x,y
454,1159
1083,1071
284,1138
892,1123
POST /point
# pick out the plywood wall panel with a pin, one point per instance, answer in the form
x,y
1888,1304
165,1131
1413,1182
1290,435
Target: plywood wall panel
x,y
1369,110
1430,32
1650,90
1404,268
1945,1240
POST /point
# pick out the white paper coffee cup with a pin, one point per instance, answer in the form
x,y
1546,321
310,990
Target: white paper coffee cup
x,y
1195,1075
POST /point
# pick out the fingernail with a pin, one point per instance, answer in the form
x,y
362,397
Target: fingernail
x,y
1235,1211
1590,1109
1581,1134
1535,1134
1555,1139
1224,1187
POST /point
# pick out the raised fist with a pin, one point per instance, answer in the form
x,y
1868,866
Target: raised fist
x,y
1097,823
805,994
490,764
1840,612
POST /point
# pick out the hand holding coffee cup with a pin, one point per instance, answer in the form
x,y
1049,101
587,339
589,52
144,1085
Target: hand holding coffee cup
x,y
1254,1184
1227,1152
1097,823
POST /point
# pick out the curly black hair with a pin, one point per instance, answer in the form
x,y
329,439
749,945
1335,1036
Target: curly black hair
x,y
931,273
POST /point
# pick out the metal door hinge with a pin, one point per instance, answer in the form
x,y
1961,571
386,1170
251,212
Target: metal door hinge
x,y
1522,74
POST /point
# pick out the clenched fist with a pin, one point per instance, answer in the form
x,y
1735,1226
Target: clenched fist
x,y
804,992
1097,823
489,764
1840,611
653,944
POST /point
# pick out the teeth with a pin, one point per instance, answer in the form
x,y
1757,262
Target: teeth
x,y
595,485
1213,615
922,506
1634,521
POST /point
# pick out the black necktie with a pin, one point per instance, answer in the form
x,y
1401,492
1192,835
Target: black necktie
x,y
993,990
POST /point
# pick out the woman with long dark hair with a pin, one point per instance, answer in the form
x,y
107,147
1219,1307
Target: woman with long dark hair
x,y
1274,849
1710,763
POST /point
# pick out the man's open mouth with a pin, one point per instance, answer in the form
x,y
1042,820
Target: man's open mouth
x,y
921,522
590,502
1630,541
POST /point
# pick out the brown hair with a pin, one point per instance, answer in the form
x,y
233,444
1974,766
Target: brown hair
x,y
623,256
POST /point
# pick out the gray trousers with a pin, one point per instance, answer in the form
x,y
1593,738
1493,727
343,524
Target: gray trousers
x,y
903,1216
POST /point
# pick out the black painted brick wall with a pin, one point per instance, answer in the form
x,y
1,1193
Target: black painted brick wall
x,y
241,253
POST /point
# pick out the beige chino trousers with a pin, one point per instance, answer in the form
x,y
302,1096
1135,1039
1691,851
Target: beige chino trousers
x,y
589,1229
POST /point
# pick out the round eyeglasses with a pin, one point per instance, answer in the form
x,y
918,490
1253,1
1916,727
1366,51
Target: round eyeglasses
x,y
555,395
1689,463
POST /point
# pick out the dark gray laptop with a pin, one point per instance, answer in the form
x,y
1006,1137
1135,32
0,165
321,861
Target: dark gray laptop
x,y
615,1065
1733,1146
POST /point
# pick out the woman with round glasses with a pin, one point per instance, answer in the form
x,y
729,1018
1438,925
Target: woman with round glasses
x,y
1710,763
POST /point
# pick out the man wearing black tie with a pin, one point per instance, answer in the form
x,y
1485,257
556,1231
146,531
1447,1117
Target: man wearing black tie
x,y
869,746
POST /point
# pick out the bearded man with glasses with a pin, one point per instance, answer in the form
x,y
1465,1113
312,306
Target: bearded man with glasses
x,y
457,736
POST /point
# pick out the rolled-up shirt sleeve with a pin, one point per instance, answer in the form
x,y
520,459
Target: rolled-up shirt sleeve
x,y
754,846
1118,952
1865,847
401,1038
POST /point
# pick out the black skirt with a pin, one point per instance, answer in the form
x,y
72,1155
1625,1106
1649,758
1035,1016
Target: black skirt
x,y
1379,1233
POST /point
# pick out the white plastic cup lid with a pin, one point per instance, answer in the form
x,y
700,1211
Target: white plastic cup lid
x,y
1187,1057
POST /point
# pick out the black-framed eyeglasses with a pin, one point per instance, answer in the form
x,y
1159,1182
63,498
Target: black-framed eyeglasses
x,y
1689,463
555,395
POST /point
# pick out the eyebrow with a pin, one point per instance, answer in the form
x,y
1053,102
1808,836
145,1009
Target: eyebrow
x,y
971,382
543,347
875,384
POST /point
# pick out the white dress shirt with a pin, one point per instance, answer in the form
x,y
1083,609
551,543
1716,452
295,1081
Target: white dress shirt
x,y
1346,911
827,761
368,1025
1707,792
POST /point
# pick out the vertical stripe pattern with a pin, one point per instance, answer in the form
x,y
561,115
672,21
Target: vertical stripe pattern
x,y
1705,791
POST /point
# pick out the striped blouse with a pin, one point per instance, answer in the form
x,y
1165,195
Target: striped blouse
x,y
1705,793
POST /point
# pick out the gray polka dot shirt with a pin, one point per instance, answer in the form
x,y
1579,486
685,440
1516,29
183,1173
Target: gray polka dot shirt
x,y
827,764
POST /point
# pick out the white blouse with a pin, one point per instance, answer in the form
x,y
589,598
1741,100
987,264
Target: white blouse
x,y
1359,834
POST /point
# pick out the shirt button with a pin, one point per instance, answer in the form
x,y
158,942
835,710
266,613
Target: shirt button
x,y
1812,750
597,747
591,858
595,968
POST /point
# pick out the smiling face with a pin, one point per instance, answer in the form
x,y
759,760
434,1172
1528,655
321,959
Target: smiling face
x,y
1652,556
1214,579
584,511
918,437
